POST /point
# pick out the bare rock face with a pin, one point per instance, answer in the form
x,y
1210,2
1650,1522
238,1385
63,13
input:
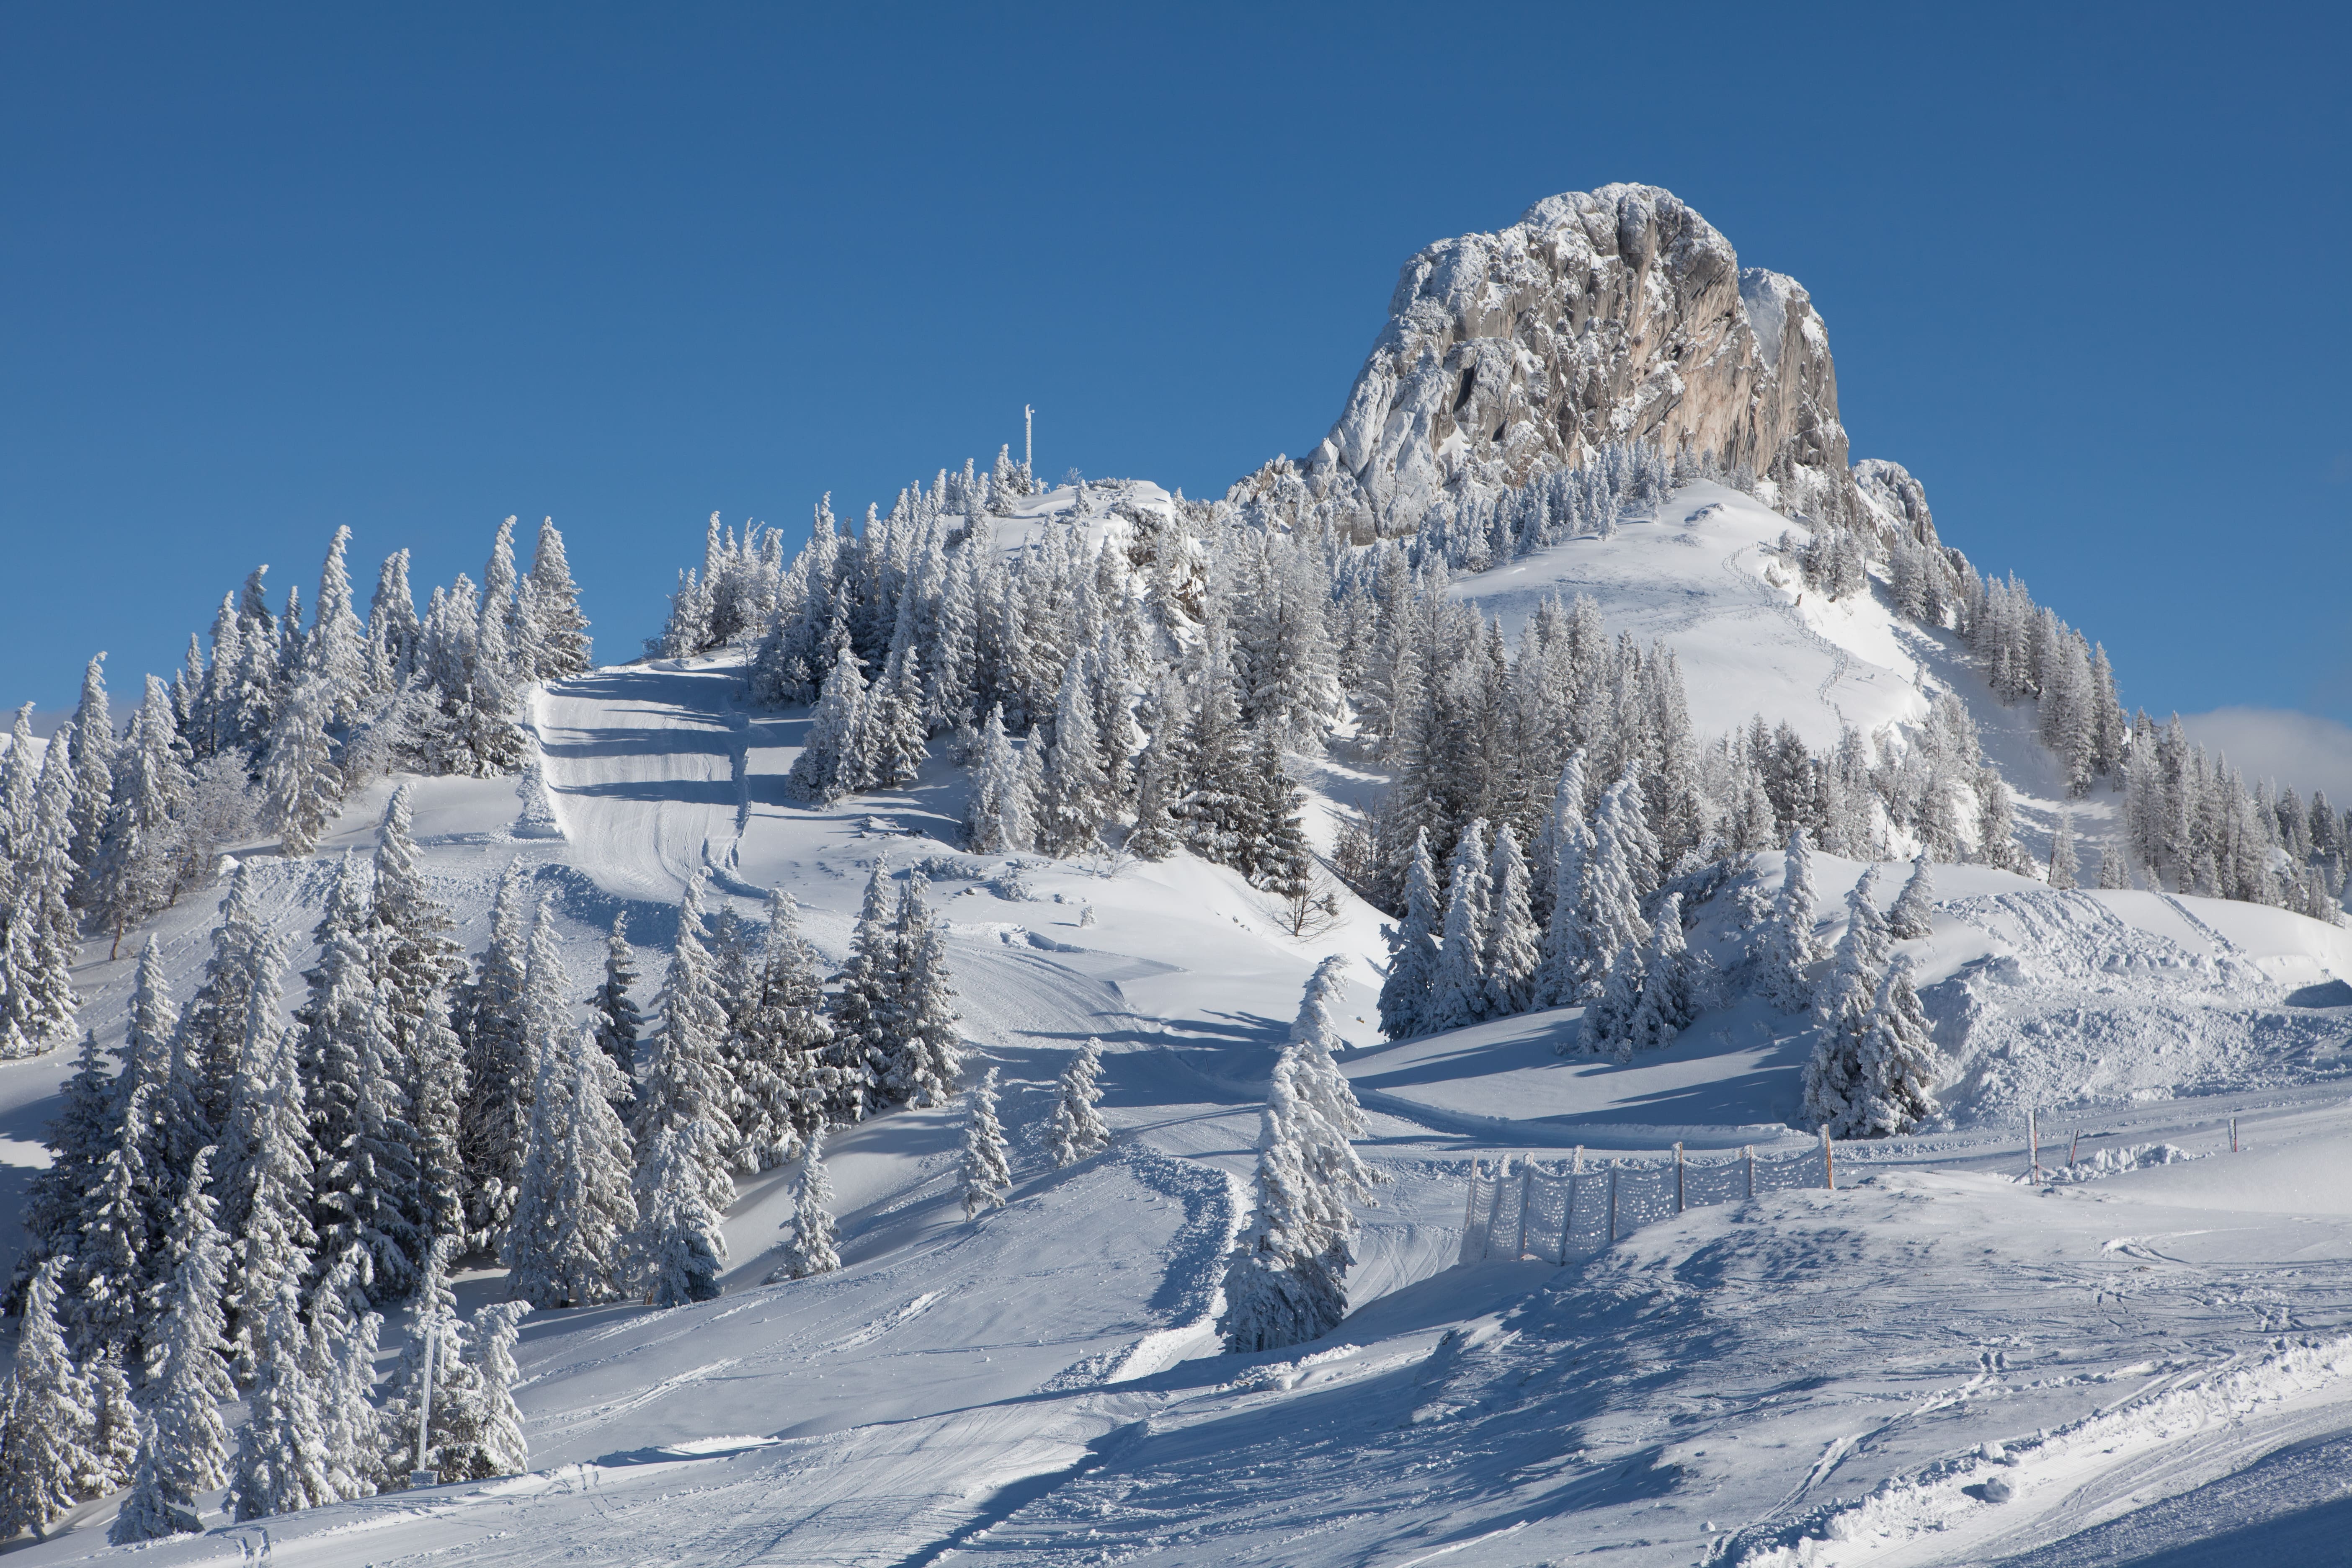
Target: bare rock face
x,y
1616,315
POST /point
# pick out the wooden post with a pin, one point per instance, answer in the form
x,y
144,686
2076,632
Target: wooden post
x,y
2233,1136
1527,1201
1828,1162
1748,1157
2070,1147
2033,1151
1612,1203
1678,1176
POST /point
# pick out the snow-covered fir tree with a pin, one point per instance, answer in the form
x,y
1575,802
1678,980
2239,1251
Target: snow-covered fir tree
x,y
51,1419
575,1208
1912,916
2064,867
614,1013
492,1021
1787,950
185,1445
1407,995
815,1247
776,1048
683,1128
1077,1129
987,1175
1512,955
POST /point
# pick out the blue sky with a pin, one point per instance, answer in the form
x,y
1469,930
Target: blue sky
x,y
266,270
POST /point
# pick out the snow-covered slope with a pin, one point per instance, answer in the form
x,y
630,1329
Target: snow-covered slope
x,y
1042,1386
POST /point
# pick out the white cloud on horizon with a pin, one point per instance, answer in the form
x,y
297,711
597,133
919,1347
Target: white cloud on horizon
x,y
2299,749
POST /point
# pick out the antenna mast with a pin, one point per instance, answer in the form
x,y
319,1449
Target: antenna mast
x,y
1029,440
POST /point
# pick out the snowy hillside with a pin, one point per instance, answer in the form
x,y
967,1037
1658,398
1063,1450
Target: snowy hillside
x,y
1601,814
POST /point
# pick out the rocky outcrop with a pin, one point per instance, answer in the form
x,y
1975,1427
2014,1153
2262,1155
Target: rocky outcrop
x,y
1615,315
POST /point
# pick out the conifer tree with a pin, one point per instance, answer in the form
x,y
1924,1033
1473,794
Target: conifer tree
x,y
828,750
1407,995
1911,918
1668,1001
417,964
340,1343
1838,1086
1075,801
498,1447
2063,864
778,1045
89,747
1286,1282
45,1447
686,1081
575,1209
866,1006
266,1183
79,1139
923,1052
299,779
564,648
998,820
109,1270
1154,835
283,1464
614,1014
678,1242
1789,948
495,1028
38,1003
2113,869
987,1177
114,1444
188,1380
337,657
1078,1128
1459,995
815,1247
145,845
1512,954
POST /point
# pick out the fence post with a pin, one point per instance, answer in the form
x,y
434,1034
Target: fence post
x,y
1612,1203
1487,1242
1748,1156
1678,1176
2033,1151
2233,1136
1567,1218
1526,1203
1828,1162
1470,1204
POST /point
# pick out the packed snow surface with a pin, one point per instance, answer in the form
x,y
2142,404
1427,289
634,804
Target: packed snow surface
x,y
1937,1362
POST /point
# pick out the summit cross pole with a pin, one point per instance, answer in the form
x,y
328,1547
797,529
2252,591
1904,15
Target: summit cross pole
x,y
1029,440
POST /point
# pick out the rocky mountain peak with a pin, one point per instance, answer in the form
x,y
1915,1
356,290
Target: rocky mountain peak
x,y
1604,316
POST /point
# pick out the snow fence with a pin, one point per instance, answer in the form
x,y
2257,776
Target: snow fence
x,y
1521,1211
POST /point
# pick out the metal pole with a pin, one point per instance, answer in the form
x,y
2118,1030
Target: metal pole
x,y
1029,441
1678,1177
424,1477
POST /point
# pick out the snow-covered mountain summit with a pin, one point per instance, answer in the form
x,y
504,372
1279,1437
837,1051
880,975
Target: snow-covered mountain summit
x,y
1612,316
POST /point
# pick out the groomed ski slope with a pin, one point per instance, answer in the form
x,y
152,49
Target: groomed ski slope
x,y
1728,1385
